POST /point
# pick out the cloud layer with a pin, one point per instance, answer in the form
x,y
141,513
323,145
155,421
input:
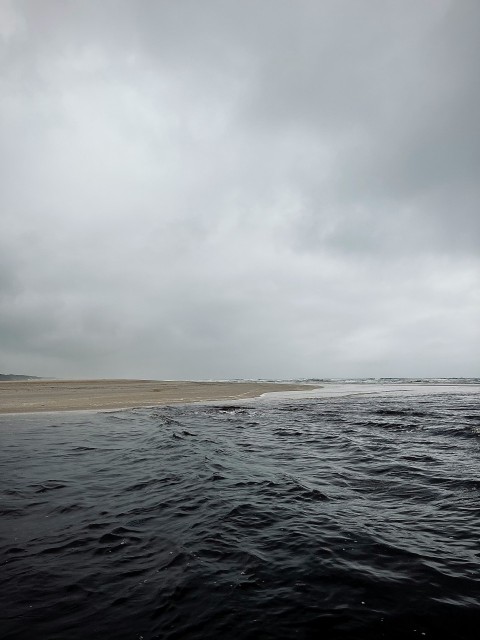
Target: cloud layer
x,y
225,189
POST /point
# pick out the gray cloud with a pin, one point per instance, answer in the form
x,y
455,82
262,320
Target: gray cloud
x,y
225,189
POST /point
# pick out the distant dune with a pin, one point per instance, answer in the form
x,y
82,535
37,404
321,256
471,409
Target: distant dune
x,y
13,376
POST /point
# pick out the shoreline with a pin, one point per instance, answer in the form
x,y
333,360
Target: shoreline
x,y
38,396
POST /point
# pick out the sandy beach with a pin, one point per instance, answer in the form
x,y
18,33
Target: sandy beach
x,y
74,395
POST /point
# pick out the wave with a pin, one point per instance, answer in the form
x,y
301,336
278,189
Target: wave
x,y
344,517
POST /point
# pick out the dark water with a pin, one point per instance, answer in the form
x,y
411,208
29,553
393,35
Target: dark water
x,y
345,517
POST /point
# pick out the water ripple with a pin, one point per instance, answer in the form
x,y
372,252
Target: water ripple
x,y
347,517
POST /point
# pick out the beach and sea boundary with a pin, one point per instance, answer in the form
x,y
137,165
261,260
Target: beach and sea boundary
x,y
329,508
79,395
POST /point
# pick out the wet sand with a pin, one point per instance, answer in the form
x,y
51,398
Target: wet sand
x,y
75,395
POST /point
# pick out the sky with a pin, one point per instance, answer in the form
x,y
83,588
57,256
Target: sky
x,y
225,189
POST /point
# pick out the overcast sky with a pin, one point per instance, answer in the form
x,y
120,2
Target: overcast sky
x,y
251,188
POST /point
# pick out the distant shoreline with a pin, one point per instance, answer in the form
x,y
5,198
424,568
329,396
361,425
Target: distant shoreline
x,y
31,396
7,377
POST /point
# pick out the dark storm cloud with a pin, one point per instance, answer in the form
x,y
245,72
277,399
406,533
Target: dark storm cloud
x,y
227,189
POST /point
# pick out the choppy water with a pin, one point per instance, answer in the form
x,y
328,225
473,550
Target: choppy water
x,y
349,516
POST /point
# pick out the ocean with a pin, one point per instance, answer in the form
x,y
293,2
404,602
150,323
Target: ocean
x,y
352,511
